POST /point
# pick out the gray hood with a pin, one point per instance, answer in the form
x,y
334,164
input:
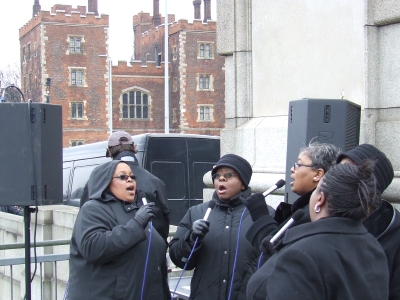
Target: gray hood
x,y
100,179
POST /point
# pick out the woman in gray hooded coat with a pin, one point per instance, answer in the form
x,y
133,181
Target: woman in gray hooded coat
x,y
110,241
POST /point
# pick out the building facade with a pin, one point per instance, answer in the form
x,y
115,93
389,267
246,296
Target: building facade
x,y
65,60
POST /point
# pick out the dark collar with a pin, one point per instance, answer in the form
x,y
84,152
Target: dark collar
x,y
234,201
380,220
302,201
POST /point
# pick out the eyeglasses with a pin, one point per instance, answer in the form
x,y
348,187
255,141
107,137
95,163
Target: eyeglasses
x,y
226,175
125,177
296,165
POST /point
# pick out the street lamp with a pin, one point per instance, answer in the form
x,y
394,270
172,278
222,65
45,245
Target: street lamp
x,y
48,83
110,121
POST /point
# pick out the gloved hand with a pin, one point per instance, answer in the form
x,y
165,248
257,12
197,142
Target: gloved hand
x,y
199,229
145,213
256,205
267,249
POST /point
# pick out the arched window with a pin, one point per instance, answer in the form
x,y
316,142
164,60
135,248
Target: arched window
x,y
135,105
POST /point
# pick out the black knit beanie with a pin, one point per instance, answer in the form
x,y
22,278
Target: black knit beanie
x,y
383,169
239,164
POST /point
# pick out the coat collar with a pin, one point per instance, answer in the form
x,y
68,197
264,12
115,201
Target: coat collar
x,y
381,219
325,225
234,201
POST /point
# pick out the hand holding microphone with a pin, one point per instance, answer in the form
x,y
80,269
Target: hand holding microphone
x,y
256,203
146,212
201,227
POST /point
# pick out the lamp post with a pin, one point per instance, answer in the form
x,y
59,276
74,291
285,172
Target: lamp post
x,y
48,84
110,121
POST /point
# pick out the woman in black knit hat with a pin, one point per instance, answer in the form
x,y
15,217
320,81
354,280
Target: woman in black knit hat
x,y
219,245
383,221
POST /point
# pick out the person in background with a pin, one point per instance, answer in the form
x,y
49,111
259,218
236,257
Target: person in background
x,y
11,209
121,147
383,220
110,242
312,164
333,256
219,248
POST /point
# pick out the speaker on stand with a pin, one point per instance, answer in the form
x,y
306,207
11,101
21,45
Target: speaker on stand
x,y
334,121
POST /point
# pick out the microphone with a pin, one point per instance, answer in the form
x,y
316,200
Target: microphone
x,y
211,205
142,195
276,186
296,216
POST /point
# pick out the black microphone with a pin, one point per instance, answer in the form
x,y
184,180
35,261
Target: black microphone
x,y
277,185
211,205
142,196
296,216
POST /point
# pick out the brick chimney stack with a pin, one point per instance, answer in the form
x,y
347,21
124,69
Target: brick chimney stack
x,y
36,8
92,7
207,10
156,13
197,9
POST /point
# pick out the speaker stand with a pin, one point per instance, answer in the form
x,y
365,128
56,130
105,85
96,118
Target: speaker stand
x,y
27,231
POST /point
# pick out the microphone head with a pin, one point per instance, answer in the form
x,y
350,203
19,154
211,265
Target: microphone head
x,y
298,215
280,183
141,195
211,204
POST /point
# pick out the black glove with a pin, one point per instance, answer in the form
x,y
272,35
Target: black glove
x,y
267,249
256,205
145,213
199,229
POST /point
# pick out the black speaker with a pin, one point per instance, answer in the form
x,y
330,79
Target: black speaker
x,y
320,120
31,154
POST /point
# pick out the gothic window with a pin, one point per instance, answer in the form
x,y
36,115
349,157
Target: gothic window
x,y
135,105
204,82
205,113
76,143
77,77
75,45
175,53
205,50
76,110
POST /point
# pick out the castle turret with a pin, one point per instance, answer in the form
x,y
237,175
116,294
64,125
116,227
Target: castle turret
x,y
207,10
197,7
36,8
156,13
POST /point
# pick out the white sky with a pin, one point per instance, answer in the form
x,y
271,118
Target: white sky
x,y
15,13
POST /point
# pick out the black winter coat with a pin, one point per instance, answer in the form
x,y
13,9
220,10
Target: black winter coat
x,y
329,259
384,225
108,248
153,187
214,257
268,225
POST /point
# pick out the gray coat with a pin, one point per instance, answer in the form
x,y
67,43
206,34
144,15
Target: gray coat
x,y
108,248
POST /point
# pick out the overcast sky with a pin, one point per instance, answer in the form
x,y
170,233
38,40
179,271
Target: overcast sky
x,y
16,13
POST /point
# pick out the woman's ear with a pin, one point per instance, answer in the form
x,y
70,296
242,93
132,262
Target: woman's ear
x,y
319,175
322,200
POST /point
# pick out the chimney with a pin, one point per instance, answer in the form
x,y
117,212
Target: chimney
x,y
36,8
197,7
207,10
156,13
92,6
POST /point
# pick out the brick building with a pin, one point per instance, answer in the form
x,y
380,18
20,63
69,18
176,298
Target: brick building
x,y
70,46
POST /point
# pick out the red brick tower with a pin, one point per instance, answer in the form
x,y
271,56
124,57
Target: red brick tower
x,y
64,45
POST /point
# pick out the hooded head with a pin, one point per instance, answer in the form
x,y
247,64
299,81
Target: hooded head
x,y
383,169
239,164
100,179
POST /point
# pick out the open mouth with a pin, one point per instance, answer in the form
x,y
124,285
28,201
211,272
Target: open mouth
x,y
131,189
221,189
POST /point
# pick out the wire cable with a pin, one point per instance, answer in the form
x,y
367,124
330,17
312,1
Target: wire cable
x,y
147,259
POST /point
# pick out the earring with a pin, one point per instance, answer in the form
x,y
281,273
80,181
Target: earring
x,y
315,178
317,208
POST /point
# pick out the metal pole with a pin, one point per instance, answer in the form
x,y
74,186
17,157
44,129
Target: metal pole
x,y
166,81
110,94
27,231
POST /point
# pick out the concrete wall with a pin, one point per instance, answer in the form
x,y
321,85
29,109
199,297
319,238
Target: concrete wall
x,y
279,51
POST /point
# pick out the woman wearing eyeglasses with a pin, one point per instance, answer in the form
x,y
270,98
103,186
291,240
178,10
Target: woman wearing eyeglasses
x,y
218,246
110,242
333,256
311,165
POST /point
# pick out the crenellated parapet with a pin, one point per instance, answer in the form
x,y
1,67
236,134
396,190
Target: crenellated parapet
x,y
137,68
65,14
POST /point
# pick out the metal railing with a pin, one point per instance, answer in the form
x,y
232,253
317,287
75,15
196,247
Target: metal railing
x,y
39,259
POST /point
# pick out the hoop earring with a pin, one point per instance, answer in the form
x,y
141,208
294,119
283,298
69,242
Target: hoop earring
x,y
317,208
